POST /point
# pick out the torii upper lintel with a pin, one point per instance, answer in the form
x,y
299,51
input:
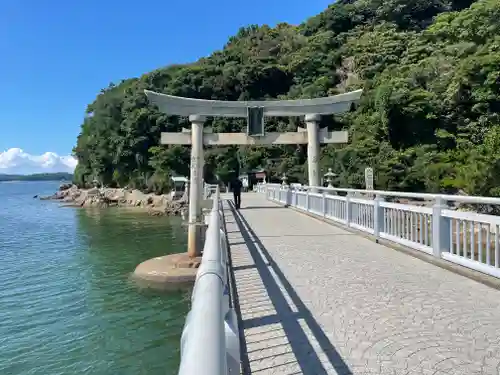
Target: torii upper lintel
x,y
176,105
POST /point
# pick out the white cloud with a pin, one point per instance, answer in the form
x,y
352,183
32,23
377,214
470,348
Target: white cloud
x,y
16,161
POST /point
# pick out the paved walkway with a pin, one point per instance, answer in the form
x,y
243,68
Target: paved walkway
x,y
316,299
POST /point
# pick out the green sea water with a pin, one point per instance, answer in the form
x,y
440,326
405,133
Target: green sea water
x,y
67,305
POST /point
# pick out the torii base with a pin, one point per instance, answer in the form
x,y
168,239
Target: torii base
x,y
195,238
174,271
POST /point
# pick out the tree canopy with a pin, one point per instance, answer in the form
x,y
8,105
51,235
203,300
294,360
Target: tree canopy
x,y
429,118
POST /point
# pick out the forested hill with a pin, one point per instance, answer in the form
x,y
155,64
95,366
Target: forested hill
x,y
429,119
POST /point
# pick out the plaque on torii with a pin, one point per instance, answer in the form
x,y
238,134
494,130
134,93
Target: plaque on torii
x,y
255,113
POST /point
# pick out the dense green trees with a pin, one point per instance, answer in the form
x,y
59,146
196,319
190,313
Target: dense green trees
x,y
429,119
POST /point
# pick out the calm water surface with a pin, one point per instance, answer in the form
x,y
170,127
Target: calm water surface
x,y
66,303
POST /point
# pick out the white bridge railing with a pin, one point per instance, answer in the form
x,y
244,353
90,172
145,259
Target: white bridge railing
x,y
466,238
210,341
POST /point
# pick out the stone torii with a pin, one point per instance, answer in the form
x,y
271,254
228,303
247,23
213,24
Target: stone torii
x,y
198,109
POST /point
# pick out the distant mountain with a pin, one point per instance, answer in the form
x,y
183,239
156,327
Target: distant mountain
x,y
37,177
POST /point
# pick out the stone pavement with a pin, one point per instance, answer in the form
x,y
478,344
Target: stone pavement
x,y
316,299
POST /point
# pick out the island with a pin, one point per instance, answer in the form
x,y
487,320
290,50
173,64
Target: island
x,y
59,176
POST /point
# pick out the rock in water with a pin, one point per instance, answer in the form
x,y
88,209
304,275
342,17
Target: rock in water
x,y
71,195
65,186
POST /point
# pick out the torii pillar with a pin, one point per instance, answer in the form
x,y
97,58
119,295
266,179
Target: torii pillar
x,y
313,148
198,109
196,185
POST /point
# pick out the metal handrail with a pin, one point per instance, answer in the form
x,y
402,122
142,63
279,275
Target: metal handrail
x,y
204,342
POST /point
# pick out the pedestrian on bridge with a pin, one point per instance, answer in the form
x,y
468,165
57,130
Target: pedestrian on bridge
x,y
236,186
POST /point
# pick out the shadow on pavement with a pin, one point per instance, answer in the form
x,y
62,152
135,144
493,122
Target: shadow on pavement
x,y
303,350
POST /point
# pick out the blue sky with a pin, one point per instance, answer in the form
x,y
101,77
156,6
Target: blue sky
x,y
57,55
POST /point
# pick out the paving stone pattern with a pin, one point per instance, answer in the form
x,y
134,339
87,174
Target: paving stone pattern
x,y
316,299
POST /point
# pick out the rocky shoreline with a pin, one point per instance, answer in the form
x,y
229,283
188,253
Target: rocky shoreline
x,y
72,196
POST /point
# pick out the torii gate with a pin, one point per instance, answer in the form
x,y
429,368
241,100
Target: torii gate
x,y
254,111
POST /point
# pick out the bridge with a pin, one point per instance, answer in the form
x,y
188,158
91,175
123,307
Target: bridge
x,y
332,281
343,281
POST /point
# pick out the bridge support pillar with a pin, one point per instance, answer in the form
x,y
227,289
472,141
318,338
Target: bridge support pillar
x,y
313,149
196,187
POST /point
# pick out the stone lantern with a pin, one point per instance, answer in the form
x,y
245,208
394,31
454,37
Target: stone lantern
x,y
329,176
284,180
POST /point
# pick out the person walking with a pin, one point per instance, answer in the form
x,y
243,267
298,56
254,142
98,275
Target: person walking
x,y
236,185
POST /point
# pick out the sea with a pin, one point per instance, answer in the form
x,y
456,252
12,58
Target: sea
x,y
67,303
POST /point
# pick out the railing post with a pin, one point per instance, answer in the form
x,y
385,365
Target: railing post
x,y
378,216
440,228
348,209
307,200
323,203
232,342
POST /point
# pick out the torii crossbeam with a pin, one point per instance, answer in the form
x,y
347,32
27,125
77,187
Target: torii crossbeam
x,y
255,112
